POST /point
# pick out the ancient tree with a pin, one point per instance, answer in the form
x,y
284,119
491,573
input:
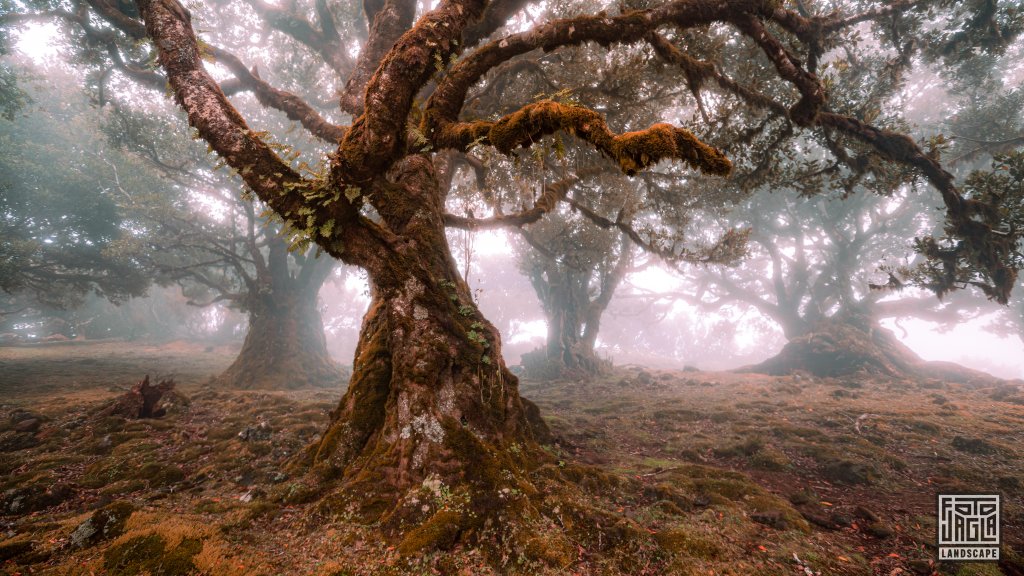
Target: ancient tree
x,y
242,262
430,397
220,250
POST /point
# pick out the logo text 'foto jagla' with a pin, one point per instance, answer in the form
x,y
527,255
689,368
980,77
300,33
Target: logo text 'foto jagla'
x,y
968,527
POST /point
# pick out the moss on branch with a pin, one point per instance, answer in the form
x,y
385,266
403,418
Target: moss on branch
x,y
633,151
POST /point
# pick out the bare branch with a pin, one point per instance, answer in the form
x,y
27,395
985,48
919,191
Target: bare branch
x,y
294,107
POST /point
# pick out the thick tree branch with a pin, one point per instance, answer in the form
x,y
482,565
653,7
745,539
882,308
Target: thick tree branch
x,y
633,151
389,23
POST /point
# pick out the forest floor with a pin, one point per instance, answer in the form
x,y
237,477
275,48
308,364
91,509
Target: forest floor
x,y
776,475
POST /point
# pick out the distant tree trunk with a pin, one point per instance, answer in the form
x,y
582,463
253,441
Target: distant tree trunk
x,y
285,346
566,308
573,308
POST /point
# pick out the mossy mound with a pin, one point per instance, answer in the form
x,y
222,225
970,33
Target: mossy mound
x,y
837,348
849,472
681,540
149,554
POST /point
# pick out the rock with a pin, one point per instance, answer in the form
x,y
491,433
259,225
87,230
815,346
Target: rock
x,y
922,567
849,472
106,523
28,426
865,513
818,519
974,445
21,415
879,530
257,433
14,441
842,520
277,477
36,497
772,518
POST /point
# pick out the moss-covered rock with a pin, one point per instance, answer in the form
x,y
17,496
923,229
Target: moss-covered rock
x,y
849,472
106,523
974,445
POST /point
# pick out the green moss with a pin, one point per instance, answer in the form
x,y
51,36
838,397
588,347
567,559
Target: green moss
x,y
552,549
160,474
782,515
849,472
732,489
749,447
439,532
149,554
680,540
769,458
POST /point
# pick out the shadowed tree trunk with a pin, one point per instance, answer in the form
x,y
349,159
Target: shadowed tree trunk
x,y
285,346
573,299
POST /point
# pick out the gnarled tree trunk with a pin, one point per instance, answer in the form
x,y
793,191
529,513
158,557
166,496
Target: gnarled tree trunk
x,y
430,397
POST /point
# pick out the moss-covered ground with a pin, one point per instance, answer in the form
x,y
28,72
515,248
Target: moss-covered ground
x,y
654,472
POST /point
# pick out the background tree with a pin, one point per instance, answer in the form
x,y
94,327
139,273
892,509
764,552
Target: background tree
x,y
62,225
212,243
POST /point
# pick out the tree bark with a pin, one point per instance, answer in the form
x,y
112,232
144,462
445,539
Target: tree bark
x,y
430,396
